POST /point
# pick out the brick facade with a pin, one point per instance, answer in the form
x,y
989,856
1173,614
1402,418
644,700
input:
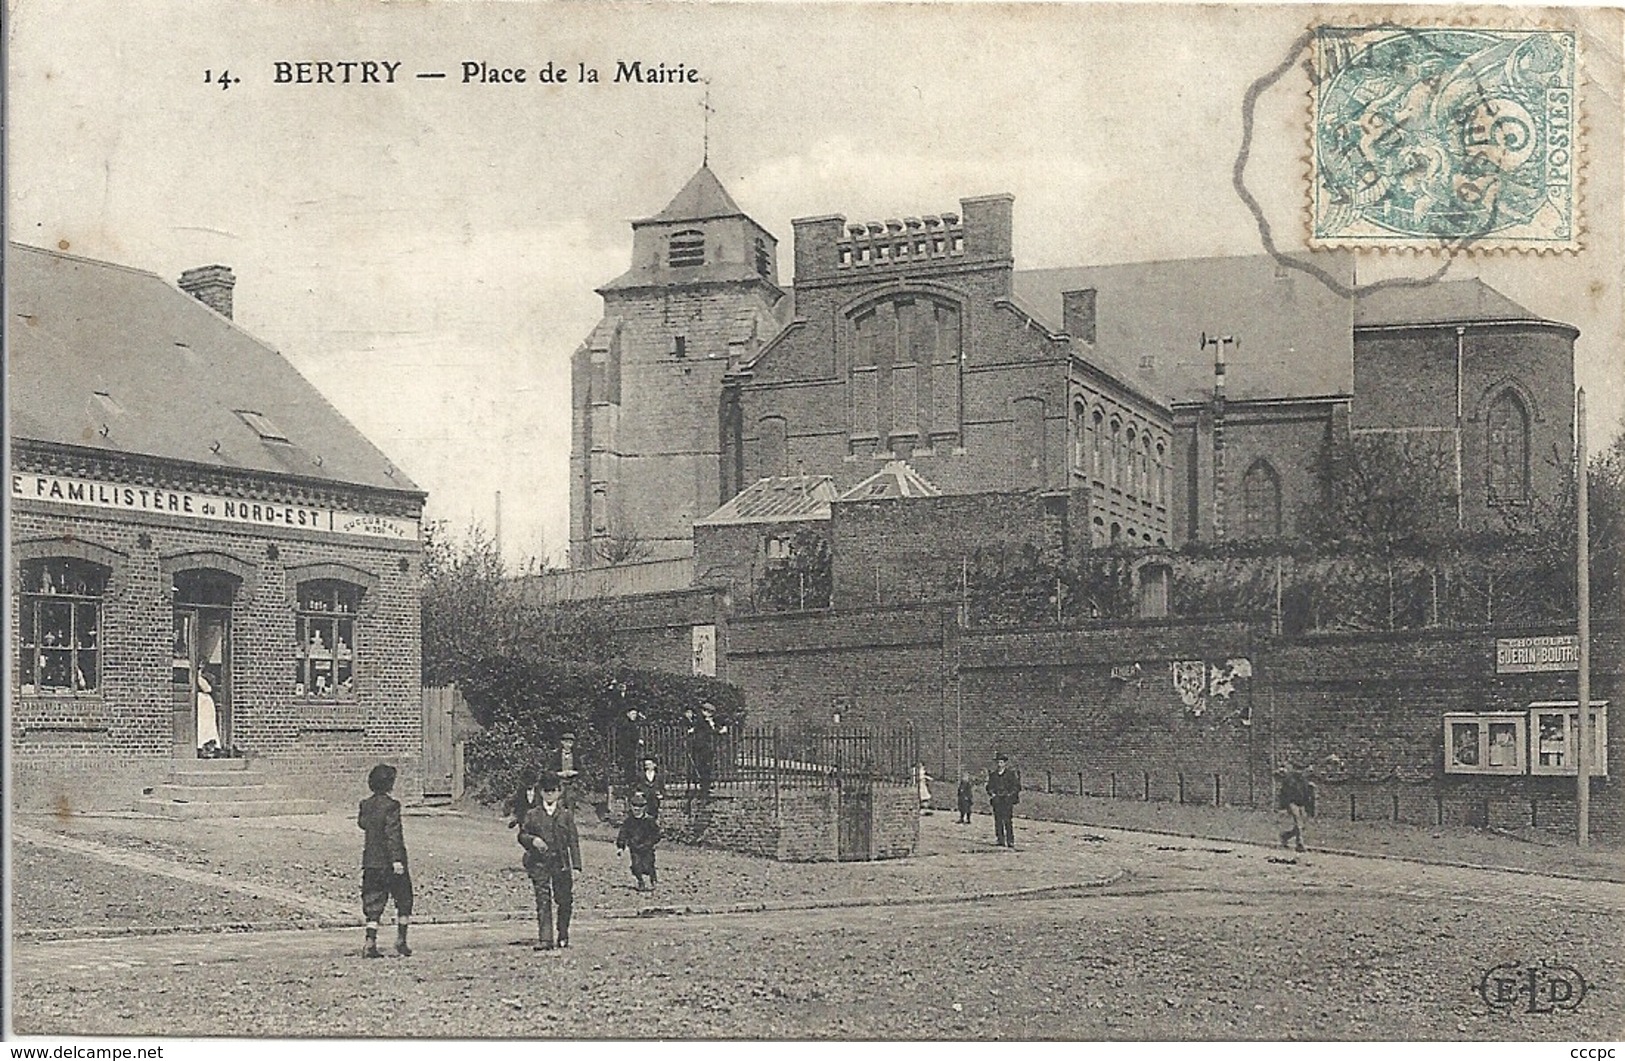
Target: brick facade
x,y
915,339
100,748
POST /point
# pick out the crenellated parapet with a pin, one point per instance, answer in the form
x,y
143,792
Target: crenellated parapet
x,y
830,247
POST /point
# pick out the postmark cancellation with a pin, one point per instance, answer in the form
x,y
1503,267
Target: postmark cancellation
x,y
1444,138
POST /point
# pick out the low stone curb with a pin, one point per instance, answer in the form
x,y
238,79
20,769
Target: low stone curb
x,y
51,935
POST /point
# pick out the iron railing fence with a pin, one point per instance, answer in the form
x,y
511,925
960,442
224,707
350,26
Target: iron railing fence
x,y
780,756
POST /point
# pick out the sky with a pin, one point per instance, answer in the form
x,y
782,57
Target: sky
x,y
426,252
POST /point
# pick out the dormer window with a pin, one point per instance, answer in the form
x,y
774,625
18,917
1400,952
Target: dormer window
x,y
686,249
263,426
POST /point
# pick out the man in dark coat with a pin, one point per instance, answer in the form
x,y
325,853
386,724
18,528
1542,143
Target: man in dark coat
x,y
1296,796
552,857
527,796
629,750
1003,792
384,874
703,733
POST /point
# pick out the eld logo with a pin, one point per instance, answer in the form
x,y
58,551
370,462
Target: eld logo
x,y
1544,987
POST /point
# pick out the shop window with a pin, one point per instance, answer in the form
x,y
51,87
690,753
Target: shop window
x,y
324,640
59,639
1554,737
1492,743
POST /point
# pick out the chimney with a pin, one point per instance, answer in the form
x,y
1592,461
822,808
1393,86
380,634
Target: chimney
x,y
1078,314
210,285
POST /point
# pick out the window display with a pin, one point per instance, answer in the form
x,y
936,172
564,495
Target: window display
x,y
1484,743
60,625
324,640
1555,726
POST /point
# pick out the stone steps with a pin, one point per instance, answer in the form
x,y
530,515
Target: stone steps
x,y
223,788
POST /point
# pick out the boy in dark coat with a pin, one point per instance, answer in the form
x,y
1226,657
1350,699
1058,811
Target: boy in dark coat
x,y
641,833
552,857
964,793
1295,797
384,874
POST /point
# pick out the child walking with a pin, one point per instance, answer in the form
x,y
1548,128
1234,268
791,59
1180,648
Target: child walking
x,y
552,856
964,794
641,833
384,874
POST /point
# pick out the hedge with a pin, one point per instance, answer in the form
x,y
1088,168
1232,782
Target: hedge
x,y
525,705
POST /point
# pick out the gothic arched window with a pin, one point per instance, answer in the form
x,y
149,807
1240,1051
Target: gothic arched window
x,y
1261,501
1508,449
1115,468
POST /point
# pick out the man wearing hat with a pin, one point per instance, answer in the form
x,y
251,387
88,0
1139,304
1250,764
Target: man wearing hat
x,y
703,734
1003,792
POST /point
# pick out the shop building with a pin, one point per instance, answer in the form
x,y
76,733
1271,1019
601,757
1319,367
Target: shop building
x,y
207,560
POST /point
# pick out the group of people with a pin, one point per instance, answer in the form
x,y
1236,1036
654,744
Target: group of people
x,y
545,818
702,733
1003,793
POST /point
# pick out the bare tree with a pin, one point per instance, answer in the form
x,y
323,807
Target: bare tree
x,y
626,546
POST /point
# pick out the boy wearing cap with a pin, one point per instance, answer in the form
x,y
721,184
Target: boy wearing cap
x,y
552,857
383,862
649,783
1003,792
641,833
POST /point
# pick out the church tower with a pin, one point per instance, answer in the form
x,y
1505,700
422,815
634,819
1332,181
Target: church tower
x,y
646,438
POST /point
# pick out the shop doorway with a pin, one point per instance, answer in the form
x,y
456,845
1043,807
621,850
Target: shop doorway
x,y
200,675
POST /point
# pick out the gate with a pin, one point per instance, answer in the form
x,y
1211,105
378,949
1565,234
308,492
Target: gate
x,y
854,817
442,779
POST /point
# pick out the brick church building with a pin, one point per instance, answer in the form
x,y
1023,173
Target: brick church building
x,y
1155,403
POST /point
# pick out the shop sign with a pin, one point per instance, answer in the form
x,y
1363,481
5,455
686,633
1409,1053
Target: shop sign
x,y
1526,655
218,508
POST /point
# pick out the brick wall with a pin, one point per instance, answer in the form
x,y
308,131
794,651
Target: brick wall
x,y
793,824
1097,709
1407,378
902,550
101,749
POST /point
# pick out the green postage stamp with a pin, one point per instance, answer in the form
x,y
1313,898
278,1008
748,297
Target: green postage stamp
x,y
1453,138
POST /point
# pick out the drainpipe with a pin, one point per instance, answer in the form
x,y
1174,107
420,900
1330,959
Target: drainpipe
x,y
1461,352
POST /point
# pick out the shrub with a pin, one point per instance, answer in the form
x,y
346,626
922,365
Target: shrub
x,y
524,705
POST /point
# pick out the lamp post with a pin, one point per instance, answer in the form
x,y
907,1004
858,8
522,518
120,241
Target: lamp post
x,y
1582,772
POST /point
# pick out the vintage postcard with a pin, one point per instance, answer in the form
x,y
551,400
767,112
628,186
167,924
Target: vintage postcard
x,y
811,521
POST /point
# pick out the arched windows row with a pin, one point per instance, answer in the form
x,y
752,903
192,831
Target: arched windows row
x,y
1119,454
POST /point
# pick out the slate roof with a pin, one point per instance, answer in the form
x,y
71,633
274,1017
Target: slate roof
x,y
702,197
174,374
777,499
1453,302
896,479
1296,333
